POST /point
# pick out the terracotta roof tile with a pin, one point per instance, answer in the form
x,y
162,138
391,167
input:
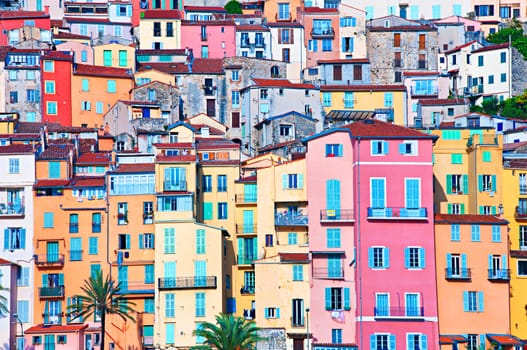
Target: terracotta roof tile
x,y
504,339
200,66
6,262
251,28
184,145
134,168
377,128
66,35
294,257
16,149
443,101
58,151
285,24
6,15
459,47
161,52
205,143
376,87
51,183
58,56
281,83
87,181
205,9
407,28
344,61
161,158
74,19
28,127
321,10
93,158
492,47
162,14
219,162
468,219
419,74
228,22
70,328
99,71
515,163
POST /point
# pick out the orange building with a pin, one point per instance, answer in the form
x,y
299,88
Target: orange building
x,y
94,90
472,281
282,11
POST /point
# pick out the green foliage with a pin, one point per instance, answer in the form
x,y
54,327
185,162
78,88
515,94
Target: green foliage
x,y
233,7
102,296
228,333
514,33
514,107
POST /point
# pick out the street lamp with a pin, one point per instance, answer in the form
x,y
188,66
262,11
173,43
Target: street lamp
x,y
17,319
307,329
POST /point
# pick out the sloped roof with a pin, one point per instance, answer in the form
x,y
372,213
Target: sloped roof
x,y
469,219
57,151
377,128
99,71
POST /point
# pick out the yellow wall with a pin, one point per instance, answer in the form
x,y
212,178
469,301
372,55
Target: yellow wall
x,y
98,55
155,75
146,32
42,169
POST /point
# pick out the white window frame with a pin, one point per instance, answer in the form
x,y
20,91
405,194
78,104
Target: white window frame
x,y
413,148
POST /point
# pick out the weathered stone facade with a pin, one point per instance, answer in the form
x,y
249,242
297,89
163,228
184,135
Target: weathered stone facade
x,y
282,129
519,73
167,96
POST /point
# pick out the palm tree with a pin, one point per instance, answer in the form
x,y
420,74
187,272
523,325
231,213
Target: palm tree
x,y
102,296
229,333
4,308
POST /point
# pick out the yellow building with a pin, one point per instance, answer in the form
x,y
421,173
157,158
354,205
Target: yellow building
x,y
160,29
514,188
145,76
467,171
386,100
195,293
114,55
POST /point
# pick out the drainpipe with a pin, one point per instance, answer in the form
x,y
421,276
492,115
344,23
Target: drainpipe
x,y
107,211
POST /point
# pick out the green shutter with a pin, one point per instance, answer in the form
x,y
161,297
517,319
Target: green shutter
x,y
465,184
347,299
328,298
207,211
449,184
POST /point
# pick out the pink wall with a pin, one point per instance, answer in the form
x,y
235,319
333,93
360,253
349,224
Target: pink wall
x,y
220,39
319,169
396,234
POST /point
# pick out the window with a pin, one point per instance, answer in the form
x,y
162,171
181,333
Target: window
x,y
408,148
170,240
348,99
263,94
414,257
457,184
472,342
170,29
286,55
14,238
337,72
32,96
268,240
333,238
484,10
207,183
334,150
14,165
283,11
327,45
93,246
96,220
111,86
455,233
312,45
473,301
157,29
48,219
222,183
292,181
107,58
378,257
49,66
523,237
204,51
124,241
396,39
74,223
326,99
85,106
200,305
336,336
169,305
222,210
235,75
85,85
235,99
146,241
388,99
398,77
292,238
298,273
378,193
412,304
503,77
486,183
298,313
522,268
503,57
22,277
456,158
122,213
49,86
416,341
337,298
13,97
475,233
382,342
272,312
379,147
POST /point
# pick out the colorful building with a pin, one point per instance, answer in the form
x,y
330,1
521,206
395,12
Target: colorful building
x,y
473,281
55,85
114,55
217,38
160,29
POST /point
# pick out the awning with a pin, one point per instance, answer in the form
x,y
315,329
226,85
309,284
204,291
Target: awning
x,y
445,339
504,339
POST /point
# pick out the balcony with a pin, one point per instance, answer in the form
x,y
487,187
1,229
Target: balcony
x,y
498,275
75,255
336,215
399,312
488,140
246,259
49,260
246,198
462,274
247,290
521,214
187,282
322,33
122,218
148,218
397,214
9,209
51,292
297,323
174,186
137,287
327,273
433,91
290,220
245,229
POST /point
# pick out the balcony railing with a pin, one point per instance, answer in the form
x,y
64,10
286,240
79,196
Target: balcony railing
x,y
290,220
51,292
521,213
523,189
399,311
246,198
246,259
458,274
187,282
137,287
322,33
398,213
245,228
499,275
424,92
75,255
327,273
482,140
336,215
49,260
148,218
7,209
247,290
174,186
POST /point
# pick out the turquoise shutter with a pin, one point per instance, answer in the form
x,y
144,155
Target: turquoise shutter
x,y
449,208
373,342
127,237
449,263
406,257
68,304
45,280
392,342
385,147
465,184
480,183
481,210
481,302
494,187
402,148
347,305
141,241
277,312
422,258
465,301
386,259
482,340
46,312
370,257
170,269
412,193
424,342
23,238
490,262
284,181
61,279
333,194
493,210
410,341
207,211
449,184
504,261
6,239
328,298
462,208
464,271
300,180
248,221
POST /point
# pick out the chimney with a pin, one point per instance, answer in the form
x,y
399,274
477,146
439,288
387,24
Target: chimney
x,y
46,9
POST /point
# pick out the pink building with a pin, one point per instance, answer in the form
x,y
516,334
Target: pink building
x,y
376,181
209,39
394,237
330,191
62,337
322,38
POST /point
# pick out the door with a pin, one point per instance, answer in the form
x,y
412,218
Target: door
x,y
249,192
211,108
200,272
52,252
298,344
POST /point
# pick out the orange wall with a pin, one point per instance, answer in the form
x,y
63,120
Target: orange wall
x,y
271,9
42,169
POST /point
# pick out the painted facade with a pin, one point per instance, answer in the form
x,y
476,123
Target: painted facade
x,y
217,38
160,29
55,87
114,55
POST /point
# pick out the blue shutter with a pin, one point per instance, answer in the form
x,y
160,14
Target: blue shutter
x,y
347,305
422,258
464,271
141,241
481,302
482,340
402,148
449,263
370,257
424,342
465,301
480,183
300,178
23,238
504,261
6,239
465,184
285,181
406,257
277,312
385,147
45,280
410,341
386,259
373,342
494,187
490,262
169,331
333,194
392,342
328,298
127,237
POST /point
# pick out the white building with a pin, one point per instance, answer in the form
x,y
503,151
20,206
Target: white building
x,y
253,40
287,45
